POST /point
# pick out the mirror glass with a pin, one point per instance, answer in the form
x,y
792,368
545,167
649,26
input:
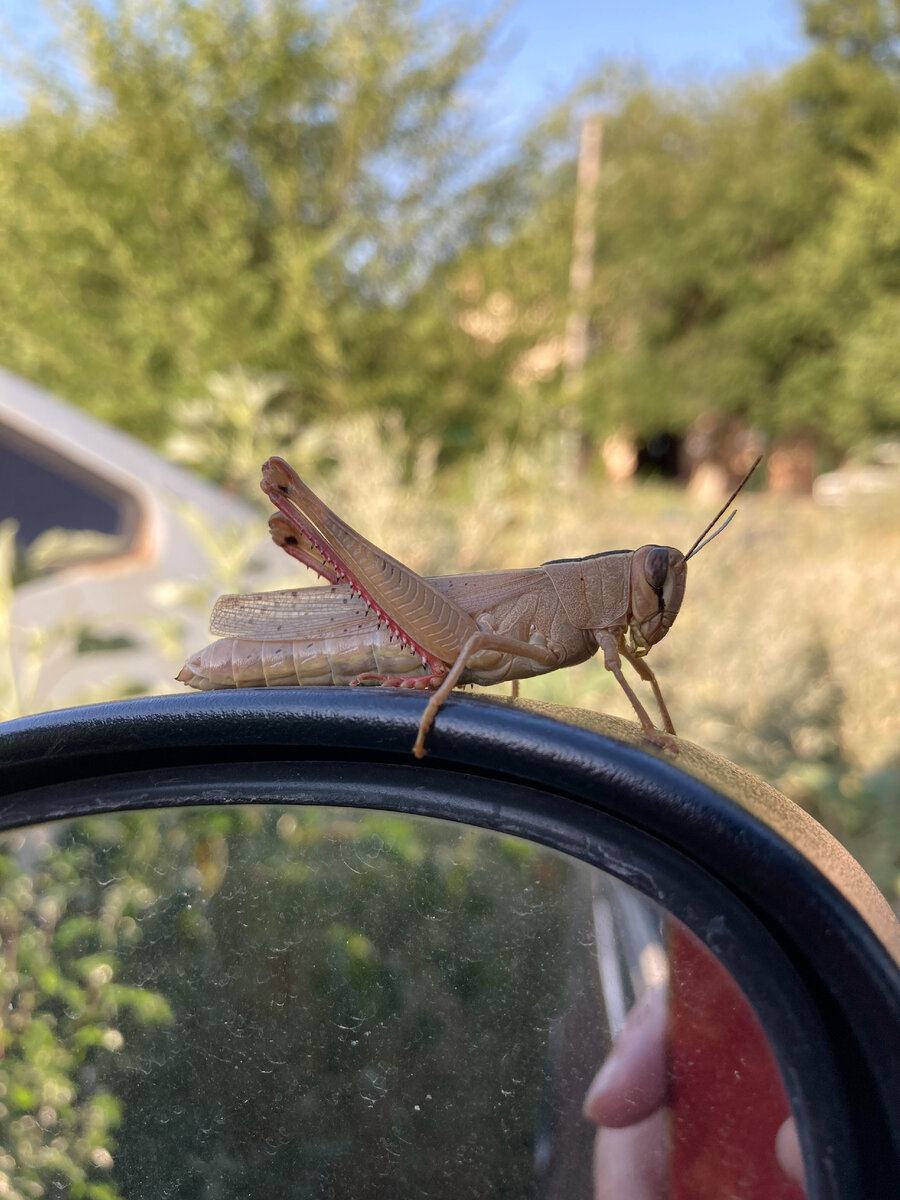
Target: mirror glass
x,y
317,1002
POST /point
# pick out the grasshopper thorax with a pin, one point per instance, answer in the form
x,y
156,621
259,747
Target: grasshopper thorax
x,y
658,575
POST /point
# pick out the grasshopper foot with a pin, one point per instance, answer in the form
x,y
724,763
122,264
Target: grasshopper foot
x,y
663,741
420,683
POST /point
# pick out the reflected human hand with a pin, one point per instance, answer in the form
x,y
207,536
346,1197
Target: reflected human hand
x,y
627,1100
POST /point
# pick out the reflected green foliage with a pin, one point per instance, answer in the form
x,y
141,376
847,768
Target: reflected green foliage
x,y
64,1011
354,1003
384,1010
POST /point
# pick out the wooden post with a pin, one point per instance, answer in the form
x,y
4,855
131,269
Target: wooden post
x,y
581,275
584,238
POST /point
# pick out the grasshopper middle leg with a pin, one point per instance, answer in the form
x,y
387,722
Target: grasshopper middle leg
x,y
644,670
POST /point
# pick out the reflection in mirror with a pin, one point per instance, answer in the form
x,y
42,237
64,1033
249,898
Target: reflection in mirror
x,y
319,1002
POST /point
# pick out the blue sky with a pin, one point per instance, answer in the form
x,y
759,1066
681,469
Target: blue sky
x,y
550,44
547,45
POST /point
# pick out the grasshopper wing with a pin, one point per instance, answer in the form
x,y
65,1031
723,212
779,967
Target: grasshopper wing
x,y
295,614
481,591
333,611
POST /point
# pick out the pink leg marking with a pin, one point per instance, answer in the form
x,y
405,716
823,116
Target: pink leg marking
x,y
421,683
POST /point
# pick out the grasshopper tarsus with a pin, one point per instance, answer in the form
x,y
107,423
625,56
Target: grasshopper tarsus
x,y
662,741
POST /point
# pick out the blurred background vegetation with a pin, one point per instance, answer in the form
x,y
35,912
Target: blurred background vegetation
x,y
236,228
306,190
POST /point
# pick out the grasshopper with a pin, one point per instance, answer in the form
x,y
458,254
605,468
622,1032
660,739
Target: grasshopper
x,y
378,623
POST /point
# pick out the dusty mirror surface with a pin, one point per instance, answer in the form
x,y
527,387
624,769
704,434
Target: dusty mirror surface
x,y
316,1002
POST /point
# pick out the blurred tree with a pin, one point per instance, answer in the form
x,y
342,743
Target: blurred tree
x,y
723,219
296,189
704,197
828,327
847,88
198,185
711,193
868,29
839,312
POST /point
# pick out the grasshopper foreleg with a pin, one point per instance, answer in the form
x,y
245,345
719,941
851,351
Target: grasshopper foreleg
x,y
609,644
542,655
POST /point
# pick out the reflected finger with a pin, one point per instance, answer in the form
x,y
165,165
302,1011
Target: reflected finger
x,y
632,1082
631,1163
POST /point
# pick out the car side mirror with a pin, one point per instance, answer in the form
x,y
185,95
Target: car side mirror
x,y
247,936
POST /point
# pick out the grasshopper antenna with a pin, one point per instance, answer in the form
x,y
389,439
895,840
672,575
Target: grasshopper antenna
x,y
700,543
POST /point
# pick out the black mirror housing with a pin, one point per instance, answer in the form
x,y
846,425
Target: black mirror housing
x,y
794,919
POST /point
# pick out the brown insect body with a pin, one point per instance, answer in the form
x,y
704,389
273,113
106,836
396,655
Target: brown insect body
x,y
380,623
293,648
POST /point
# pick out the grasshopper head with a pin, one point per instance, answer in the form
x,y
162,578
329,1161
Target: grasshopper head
x,y
658,575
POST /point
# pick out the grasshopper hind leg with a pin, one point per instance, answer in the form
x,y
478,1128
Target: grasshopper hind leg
x,y
483,640
420,683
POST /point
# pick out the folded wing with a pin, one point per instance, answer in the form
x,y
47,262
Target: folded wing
x,y
321,612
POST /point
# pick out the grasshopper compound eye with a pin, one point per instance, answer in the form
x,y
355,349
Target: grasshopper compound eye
x,y
656,567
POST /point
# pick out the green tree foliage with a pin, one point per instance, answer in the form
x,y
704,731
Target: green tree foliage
x,y
704,197
709,195
746,256
834,323
355,1002
847,88
744,260
220,184
295,190
856,29
64,1009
